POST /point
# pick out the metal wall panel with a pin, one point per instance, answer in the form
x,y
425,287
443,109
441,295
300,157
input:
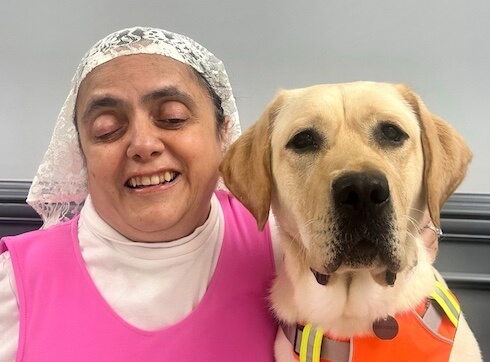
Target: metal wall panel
x,y
463,259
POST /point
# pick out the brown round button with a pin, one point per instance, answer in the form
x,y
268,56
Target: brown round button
x,y
385,328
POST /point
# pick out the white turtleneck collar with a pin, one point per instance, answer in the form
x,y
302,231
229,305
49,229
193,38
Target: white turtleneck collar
x,y
90,221
150,285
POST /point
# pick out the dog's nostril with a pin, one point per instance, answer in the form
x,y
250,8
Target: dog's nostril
x,y
379,194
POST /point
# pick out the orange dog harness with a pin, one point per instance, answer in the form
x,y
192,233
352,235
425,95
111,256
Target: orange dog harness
x,y
425,334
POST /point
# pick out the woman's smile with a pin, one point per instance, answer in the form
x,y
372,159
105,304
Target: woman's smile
x,y
152,180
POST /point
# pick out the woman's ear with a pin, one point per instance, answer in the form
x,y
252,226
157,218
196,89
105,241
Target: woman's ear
x,y
246,167
224,134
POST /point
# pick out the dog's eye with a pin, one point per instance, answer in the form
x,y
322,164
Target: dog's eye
x,y
304,141
389,133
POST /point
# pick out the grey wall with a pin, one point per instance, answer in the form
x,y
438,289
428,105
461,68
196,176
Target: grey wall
x,y
440,48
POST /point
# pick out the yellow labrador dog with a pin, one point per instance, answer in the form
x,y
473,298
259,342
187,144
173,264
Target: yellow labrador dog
x,y
348,171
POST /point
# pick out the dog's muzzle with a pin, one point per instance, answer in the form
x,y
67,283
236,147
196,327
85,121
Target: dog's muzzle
x,y
364,217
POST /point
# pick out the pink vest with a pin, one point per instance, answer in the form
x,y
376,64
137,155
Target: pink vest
x,y
64,318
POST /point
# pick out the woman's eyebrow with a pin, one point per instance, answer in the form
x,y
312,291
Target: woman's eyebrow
x,y
169,92
162,93
100,103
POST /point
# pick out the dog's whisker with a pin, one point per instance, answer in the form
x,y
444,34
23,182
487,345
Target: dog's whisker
x,y
417,210
411,218
414,221
296,239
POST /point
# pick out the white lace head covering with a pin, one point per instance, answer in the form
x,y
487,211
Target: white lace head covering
x,y
60,186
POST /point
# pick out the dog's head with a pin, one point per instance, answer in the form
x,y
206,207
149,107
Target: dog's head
x,y
348,170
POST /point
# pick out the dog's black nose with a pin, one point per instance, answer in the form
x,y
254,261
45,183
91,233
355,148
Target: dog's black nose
x,y
361,194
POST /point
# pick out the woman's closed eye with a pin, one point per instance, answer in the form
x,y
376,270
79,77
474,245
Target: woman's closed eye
x,y
106,127
172,115
171,123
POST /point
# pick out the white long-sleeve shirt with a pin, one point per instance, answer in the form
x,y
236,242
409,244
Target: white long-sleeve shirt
x,y
150,285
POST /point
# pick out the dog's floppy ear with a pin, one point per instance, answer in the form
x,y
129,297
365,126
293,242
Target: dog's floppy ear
x,y
246,166
446,155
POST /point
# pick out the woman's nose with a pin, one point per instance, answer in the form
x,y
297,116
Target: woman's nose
x,y
145,142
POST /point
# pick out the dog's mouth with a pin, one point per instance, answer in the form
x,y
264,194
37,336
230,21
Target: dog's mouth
x,y
321,279
386,278
365,254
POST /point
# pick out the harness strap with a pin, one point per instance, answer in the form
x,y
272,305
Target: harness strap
x,y
311,345
448,303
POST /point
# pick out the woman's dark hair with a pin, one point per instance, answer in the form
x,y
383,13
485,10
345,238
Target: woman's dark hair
x,y
218,109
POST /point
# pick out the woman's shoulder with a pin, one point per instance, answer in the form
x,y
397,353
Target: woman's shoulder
x,y
231,206
51,233
238,219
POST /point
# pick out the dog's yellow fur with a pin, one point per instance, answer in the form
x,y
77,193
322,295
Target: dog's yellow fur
x,y
264,172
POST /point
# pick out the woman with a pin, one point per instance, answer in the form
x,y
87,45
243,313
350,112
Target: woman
x,y
147,270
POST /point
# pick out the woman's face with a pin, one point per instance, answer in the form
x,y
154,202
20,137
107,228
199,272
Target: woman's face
x,y
149,136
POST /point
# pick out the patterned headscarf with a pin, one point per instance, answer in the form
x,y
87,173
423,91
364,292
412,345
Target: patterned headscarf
x,y
60,186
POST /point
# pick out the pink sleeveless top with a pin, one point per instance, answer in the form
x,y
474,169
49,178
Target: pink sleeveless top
x,y
64,318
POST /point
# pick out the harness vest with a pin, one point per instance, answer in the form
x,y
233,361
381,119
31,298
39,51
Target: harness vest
x,y
64,318
424,334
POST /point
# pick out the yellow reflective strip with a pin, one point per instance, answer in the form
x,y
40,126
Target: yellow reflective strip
x,y
303,350
444,303
317,344
449,296
446,309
